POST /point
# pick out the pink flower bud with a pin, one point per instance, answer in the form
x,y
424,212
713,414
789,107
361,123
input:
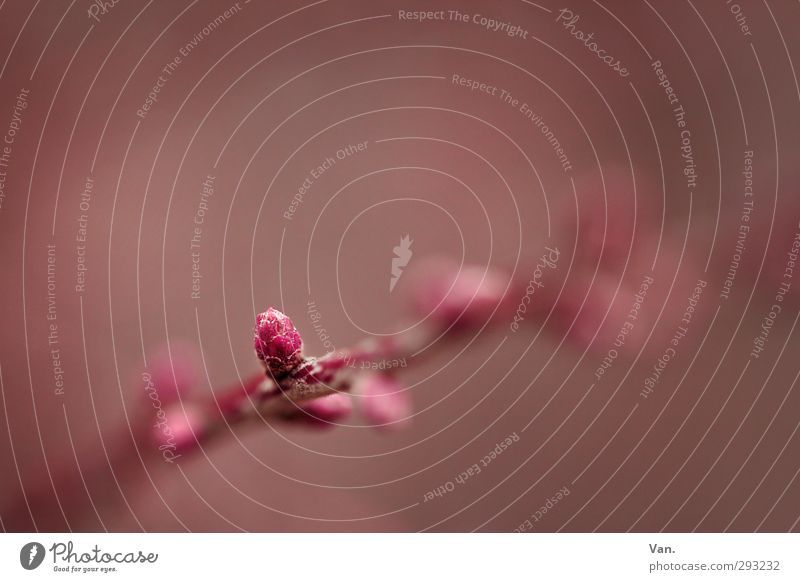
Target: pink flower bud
x,y
179,427
173,371
385,402
325,410
612,221
467,296
277,342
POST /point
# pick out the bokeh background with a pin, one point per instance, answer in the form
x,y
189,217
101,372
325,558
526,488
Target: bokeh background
x,y
261,95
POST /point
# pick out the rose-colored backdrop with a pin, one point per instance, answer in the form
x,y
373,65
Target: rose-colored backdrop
x,y
260,99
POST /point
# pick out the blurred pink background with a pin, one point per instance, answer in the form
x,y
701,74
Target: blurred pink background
x,y
266,94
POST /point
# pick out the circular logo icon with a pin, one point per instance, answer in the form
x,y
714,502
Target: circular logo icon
x,y
31,555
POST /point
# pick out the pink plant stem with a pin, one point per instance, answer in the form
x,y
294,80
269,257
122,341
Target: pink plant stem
x,y
263,395
456,304
289,380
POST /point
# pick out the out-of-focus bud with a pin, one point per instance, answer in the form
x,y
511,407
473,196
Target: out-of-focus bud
x,y
277,342
580,311
465,296
663,289
173,371
384,401
611,222
178,427
324,411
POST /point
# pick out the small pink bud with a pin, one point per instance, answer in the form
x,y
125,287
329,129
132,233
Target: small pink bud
x,y
611,221
466,296
173,371
326,410
179,427
385,402
277,342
